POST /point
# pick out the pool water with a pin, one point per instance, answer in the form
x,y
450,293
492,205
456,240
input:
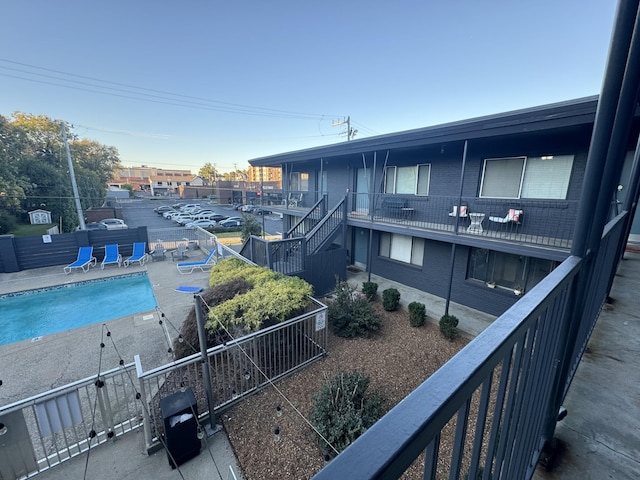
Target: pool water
x,y
35,313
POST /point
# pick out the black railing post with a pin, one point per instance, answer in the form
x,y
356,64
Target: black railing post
x,y
452,260
591,219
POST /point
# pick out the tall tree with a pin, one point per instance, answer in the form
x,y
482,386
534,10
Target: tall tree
x,y
209,172
34,151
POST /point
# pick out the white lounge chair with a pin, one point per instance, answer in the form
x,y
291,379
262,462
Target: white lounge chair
x,y
111,255
139,254
203,265
84,261
513,215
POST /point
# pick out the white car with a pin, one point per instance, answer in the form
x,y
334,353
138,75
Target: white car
x,y
114,223
201,224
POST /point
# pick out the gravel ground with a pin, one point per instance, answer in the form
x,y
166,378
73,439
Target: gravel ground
x,y
397,359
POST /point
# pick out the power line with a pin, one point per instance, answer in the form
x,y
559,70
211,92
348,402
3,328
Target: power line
x,y
217,105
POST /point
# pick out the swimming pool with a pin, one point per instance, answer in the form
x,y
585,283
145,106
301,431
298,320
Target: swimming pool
x,y
35,313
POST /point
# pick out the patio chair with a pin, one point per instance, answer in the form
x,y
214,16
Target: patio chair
x,y
158,252
464,211
111,255
203,265
513,216
180,252
294,199
84,261
139,254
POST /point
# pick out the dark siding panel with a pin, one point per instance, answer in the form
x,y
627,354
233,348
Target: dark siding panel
x,y
433,278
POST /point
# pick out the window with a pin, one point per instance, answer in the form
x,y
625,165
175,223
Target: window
x,y
299,182
507,270
402,248
527,177
411,180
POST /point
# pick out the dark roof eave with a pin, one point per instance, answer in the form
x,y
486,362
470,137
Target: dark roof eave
x,y
573,112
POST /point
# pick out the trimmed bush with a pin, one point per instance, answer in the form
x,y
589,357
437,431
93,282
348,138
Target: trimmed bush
x,y
352,315
370,290
187,342
449,326
417,314
273,298
390,299
343,410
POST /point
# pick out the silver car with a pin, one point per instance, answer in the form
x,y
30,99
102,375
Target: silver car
x,y
114,223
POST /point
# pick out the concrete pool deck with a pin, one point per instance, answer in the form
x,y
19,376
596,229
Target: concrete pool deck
x,y
36,365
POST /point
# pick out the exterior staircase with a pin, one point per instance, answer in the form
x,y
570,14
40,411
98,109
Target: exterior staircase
x,y
307,249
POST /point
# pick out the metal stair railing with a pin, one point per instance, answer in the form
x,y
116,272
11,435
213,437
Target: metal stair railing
x,y
313,216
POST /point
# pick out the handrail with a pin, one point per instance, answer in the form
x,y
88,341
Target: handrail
x,y
336,213
519,341
319,208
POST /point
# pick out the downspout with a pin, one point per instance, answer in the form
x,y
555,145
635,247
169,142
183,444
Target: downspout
x,y
372,190
452,261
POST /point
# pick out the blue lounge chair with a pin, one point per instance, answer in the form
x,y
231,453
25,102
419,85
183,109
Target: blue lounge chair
x,y
84,261
206,264
139,254
111,255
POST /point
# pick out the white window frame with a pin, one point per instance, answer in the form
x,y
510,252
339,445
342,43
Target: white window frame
x,y
564,182
405,249
391,179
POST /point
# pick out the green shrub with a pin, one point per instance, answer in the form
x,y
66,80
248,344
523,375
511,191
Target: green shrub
x,y
188,341
343,410
273,298
448,326
269,302
417,314
370,290
351,314
390,299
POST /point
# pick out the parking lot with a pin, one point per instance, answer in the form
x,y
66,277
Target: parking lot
x,y
140,213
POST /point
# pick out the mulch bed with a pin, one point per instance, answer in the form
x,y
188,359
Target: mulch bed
x,y
397,360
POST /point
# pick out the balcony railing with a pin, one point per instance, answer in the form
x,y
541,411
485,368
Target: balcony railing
x,y
491,406
537,222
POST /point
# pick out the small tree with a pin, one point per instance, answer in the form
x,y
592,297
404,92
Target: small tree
x,y
417,314
390,299
449,326
250,227
343,411
370,290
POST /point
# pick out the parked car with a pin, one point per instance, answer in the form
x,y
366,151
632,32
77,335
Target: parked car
x,y
231,223
183,219
95,226
162,208
114,223
247,208
261,211
201,224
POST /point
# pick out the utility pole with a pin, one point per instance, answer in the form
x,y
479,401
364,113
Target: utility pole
x,y
76,195
350,132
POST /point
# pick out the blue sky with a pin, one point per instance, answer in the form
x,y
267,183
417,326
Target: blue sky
x,y
178,84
